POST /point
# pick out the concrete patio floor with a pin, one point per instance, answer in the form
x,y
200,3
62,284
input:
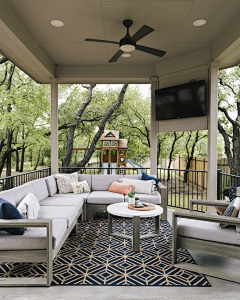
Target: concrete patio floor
x,y
220,289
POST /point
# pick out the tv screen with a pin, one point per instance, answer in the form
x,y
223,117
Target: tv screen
x,y
181,101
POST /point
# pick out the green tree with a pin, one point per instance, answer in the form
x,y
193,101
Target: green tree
x,y
229,114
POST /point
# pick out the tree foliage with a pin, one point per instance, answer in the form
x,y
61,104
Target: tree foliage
x,y
229,114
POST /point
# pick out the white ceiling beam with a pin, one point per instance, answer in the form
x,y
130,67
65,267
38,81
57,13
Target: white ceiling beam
x,y
223,49
105,74
27,53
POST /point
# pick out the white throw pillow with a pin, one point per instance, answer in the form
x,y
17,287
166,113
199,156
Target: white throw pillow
x,y
29,208
77,187
86,186
64,180
140,186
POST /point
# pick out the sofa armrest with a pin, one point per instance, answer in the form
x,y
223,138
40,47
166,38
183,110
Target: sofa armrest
x,y
205,217
207,203
162,189
11,223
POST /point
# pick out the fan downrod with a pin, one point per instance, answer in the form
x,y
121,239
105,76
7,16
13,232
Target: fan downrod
x,y
127,23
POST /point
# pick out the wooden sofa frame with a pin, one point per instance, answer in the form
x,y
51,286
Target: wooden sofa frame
x,y
162,189
214,248
46,255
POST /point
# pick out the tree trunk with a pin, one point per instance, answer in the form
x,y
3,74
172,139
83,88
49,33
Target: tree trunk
x,y
73,126
100,131
190,157
9,155
22,160
38,159
2,144
17,161
171,153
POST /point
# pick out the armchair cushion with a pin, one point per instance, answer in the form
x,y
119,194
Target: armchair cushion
x,y
231,211
207,231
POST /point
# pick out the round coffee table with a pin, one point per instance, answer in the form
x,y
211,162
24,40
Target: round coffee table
x,y
122,210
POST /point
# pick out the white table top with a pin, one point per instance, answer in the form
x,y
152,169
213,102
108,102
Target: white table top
x,y
122,210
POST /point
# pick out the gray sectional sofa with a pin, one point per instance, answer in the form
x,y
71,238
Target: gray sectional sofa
x,y
58,216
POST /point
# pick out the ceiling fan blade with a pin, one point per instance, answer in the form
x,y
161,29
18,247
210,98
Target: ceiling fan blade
x,y
101,41
152,51
116,56
142,32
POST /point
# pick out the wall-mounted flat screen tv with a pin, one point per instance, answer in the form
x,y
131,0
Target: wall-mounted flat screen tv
x,y
181,101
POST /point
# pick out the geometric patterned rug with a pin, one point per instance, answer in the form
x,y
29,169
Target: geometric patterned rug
x,y
93,258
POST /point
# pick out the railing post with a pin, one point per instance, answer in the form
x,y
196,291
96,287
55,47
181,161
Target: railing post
x,y
219,183
49,171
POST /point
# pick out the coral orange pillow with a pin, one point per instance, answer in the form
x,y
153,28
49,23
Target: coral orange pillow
x,y
120,188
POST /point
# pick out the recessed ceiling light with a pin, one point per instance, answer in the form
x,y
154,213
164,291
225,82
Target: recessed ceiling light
x,y
57,23
126,55
199,22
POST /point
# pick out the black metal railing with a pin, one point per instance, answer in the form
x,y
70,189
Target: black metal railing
x,y
98,171
10,182
225,180
184,185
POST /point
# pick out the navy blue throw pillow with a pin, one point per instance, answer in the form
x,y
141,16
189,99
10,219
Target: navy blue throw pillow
x,y
9,211
147,177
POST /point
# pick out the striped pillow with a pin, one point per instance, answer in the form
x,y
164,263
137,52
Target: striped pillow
x,y
231,211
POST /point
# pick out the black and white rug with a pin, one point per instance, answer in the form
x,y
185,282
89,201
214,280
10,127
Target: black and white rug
x,y
93,258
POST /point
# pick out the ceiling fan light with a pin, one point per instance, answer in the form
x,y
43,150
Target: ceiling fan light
x,y
126,55
127,48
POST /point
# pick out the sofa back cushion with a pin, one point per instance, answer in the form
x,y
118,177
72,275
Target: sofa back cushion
x,y
137,177
8,196
40,189
21,191
103,182
51,185
82,177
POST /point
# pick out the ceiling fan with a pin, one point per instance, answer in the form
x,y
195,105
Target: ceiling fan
x,y
128,43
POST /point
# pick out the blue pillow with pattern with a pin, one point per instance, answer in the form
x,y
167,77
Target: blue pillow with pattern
x,y
9,211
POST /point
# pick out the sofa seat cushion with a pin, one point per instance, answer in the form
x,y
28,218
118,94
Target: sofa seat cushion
x,y
105,197
60,201
59,212
34,238
209,231
40,188
79,196
146,198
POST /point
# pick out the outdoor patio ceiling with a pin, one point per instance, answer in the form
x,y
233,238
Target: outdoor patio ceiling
x,y
44,51
56,55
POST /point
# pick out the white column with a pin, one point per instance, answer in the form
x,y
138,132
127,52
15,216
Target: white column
x,y
153,150
54,125
212,131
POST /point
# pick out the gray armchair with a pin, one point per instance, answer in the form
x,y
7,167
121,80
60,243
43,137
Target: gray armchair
x,y
200,232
